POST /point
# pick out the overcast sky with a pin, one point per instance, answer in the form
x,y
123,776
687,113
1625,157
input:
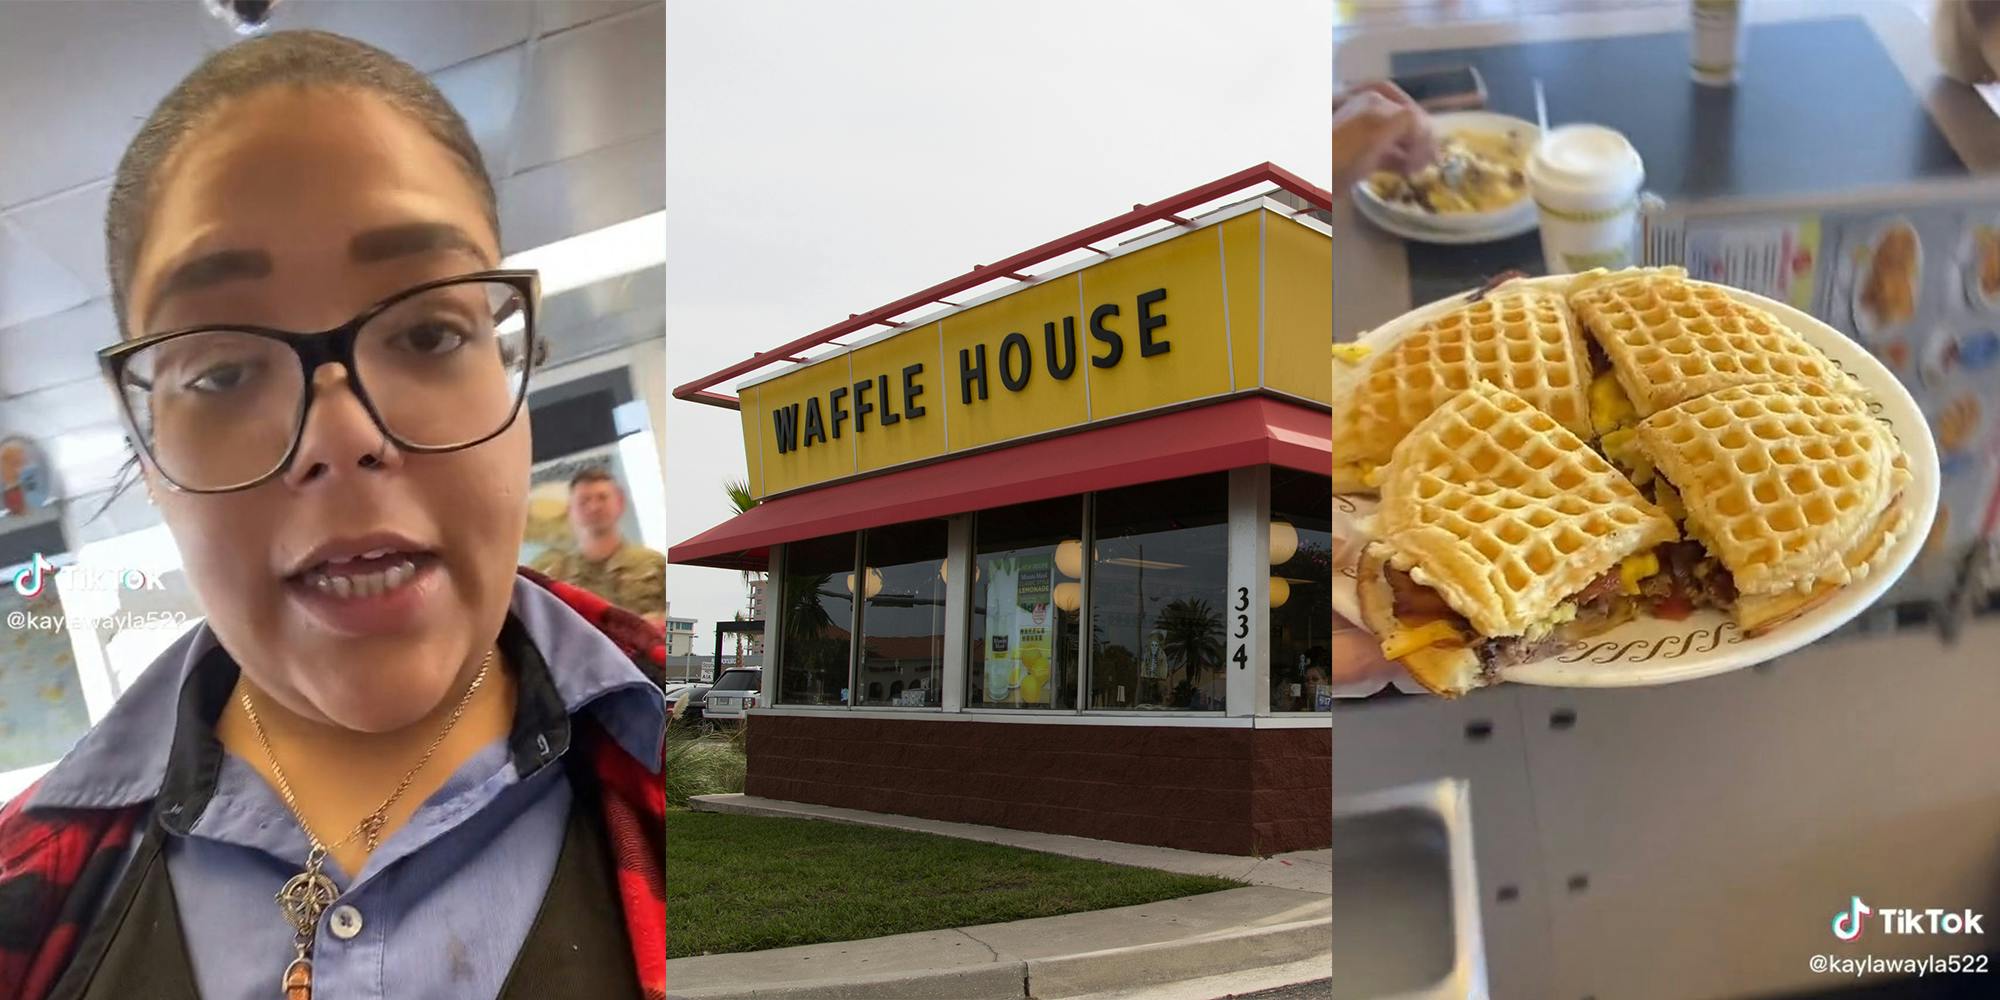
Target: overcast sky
x,y
824,159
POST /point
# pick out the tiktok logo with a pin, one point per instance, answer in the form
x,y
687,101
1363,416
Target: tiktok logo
x,y
29,582
1847,923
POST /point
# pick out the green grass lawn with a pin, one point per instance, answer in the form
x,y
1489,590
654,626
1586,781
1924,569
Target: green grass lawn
x,y
747,883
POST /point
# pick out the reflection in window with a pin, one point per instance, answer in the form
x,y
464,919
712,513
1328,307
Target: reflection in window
x,y
1025,599
1301,591
1158,588
902,616
817,614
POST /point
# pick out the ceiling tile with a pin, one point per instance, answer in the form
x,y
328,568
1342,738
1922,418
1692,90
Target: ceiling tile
x,y
54,349
427,34
584,193
32,284
486,91
596,86
558,15
69,228
77,123
59,409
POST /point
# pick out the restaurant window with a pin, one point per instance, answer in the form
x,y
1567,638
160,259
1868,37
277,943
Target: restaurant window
x,y
817,615
1026,597
902,615
1159,584
1301,592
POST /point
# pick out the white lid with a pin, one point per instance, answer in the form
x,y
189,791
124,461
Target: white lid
x,y
1586,158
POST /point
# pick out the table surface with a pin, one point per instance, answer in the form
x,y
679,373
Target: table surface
x,y
1861,126
1836,98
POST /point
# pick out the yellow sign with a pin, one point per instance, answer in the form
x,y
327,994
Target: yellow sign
x,y
1239,304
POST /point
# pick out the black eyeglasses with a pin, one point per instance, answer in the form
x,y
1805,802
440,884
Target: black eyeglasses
x,y
438,367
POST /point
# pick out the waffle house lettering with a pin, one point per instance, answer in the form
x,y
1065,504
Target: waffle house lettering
x,y
803,425
1012,366
1009,364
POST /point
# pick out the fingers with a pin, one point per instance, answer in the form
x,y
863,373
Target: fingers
x,y
1356,657
1419,146
1376,125
1380,88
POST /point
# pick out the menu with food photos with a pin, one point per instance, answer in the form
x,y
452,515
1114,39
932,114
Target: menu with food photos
x,y
1919,288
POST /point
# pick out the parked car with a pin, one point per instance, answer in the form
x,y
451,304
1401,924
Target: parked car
x,y
694,690
734,692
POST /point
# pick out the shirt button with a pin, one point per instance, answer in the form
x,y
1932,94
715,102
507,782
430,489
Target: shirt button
x,y
345,921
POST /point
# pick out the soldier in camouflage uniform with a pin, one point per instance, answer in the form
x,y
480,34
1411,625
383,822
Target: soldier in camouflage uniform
x,y
604,562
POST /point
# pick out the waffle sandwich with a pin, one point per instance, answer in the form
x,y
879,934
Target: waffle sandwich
x,y
1788,492
1522,340
1500,534
1659,339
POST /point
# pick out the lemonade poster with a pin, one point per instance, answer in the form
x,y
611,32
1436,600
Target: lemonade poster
x,y
1019,632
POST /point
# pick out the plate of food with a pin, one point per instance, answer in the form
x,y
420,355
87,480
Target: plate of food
x,y
1891,276
1979,265
1476,190
1617,479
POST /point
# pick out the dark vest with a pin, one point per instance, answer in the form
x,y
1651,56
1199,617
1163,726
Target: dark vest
x,y
577,945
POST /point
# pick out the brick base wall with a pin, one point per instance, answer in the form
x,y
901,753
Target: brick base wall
x,y
1226,791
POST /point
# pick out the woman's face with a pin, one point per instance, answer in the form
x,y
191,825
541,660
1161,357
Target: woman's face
x,y
296,209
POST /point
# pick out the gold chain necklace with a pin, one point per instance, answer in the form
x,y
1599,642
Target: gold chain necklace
x,y
308,894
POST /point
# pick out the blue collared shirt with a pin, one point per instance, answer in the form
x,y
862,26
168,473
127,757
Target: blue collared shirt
x,y
444,905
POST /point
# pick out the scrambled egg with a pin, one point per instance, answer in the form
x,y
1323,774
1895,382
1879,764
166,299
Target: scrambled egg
x,y
1371,474
1563,614
1351,353
1474,172
1610,408
1622,446
1669,500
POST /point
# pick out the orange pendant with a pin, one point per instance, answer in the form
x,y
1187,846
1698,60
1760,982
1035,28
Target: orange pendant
x,y
298,980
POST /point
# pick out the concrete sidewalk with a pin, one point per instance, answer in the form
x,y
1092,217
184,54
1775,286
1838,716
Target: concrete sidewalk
x,y
1045,958
1283,919
1306,871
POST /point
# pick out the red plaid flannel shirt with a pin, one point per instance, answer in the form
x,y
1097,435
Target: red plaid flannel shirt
x,y
56,865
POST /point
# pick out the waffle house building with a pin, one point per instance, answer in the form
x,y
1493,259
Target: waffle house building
x,y
1056,557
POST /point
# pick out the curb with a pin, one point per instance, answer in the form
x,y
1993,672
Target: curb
x,y
1011,978
1003,980
1165,962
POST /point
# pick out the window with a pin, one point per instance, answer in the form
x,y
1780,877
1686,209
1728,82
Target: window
x,y
1025,602
902,615
1301,592
1159,583
738,680
818,617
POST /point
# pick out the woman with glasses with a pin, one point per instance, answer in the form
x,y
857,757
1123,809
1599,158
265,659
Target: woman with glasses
x,y
388,764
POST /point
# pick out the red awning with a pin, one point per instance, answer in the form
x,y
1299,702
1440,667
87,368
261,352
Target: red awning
x,y
1237,434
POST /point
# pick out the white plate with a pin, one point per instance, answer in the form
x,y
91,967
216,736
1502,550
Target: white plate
x,y
1654,651
1866,324
1372,210
1456,228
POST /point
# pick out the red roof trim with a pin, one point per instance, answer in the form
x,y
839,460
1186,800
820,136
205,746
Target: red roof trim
x,y
1238,433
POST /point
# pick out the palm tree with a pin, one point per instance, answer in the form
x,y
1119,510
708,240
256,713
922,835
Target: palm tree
x,y
806,626
741,500
1191,631
740,497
